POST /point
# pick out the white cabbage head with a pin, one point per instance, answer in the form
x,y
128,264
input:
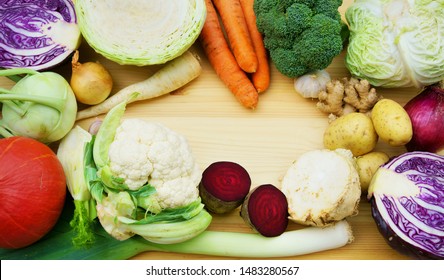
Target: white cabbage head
x,y
396,43
140,32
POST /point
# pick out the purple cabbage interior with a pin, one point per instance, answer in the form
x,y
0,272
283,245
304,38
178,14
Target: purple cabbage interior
x,y
414,225
22,43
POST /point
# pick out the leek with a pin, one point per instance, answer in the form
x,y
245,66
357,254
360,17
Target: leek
x,y
57,245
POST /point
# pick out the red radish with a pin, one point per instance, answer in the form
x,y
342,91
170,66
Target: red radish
x,y
224,186
265,209
32,191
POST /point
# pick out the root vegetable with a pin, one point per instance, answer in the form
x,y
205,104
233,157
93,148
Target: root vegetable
x,y
367,166
236,28
322,187
174,74
90,81
265,209
392,122
223,61
346,95
224,186
353,131
260,78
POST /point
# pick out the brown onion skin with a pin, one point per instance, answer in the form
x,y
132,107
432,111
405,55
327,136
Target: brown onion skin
x,y
90,81
426,111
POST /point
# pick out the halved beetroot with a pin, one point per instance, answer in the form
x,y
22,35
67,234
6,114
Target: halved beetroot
x,y
265,209
224,186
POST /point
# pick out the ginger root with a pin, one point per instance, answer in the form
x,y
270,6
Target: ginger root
x,y
346,95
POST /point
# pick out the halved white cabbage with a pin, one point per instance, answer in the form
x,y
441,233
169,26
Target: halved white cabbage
x,y
140,32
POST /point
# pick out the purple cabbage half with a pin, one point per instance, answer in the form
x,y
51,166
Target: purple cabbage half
x,y
407,201
37,34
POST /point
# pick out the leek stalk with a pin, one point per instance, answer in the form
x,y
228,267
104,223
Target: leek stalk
x,y
58,244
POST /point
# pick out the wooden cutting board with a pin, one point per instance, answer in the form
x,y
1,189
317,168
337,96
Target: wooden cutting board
x,y
265,140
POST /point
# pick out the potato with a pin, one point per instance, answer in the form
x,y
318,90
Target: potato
x,y
353,131
367,166
392,123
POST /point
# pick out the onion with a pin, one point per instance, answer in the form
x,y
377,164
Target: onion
x,y
426,111
90,81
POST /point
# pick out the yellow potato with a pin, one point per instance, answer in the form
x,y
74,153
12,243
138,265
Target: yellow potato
x,y
353,131
392,123
367,166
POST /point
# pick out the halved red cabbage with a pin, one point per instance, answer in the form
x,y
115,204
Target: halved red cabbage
x,y
37,34
407,199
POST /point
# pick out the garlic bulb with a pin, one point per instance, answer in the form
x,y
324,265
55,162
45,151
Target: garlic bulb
x,y
310,84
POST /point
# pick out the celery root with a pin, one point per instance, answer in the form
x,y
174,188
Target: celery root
x,y
173,75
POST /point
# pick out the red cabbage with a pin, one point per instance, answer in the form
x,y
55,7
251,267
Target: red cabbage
x,y
37,34
407,199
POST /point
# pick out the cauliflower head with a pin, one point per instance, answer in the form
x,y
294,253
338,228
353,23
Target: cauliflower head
x,y
147,152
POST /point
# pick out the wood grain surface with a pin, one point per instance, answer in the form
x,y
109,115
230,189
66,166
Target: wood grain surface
x,y
265,141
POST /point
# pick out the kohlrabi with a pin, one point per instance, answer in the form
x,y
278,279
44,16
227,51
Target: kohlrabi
x,y
396,43
41,105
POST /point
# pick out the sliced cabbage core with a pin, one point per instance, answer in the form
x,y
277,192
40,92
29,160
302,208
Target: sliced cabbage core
x,y
140,32
37,34
407,198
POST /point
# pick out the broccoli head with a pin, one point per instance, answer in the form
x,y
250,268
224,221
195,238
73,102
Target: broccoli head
x,y
301,35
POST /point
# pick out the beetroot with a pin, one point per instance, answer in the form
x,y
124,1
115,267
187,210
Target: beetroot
x,y
265,209
224,186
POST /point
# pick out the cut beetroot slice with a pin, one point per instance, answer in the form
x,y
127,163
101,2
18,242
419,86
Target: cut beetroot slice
x,y
224,186
265,209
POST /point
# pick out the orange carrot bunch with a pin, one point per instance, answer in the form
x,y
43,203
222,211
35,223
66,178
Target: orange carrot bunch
x,y
241,60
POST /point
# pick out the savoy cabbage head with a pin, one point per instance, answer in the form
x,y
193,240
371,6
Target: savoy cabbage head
x,y
396,43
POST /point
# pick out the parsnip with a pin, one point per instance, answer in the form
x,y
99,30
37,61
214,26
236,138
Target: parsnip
x,y
174,74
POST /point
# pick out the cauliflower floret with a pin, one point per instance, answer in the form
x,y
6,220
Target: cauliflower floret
x,y
145,151
110,208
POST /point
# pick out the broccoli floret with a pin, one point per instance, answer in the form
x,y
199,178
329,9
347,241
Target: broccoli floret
x,y
301,35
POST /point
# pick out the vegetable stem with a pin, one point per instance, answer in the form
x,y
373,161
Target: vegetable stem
x,y
54,102
3,131
17,71
226,244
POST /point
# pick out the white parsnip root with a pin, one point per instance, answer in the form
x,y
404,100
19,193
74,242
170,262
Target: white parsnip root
x,y
172,76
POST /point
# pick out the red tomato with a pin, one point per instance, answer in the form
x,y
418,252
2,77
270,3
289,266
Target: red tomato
x,y
32,191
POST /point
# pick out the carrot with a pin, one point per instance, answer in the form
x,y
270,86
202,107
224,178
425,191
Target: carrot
x,y
260,78
173,75
223,61
233,20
